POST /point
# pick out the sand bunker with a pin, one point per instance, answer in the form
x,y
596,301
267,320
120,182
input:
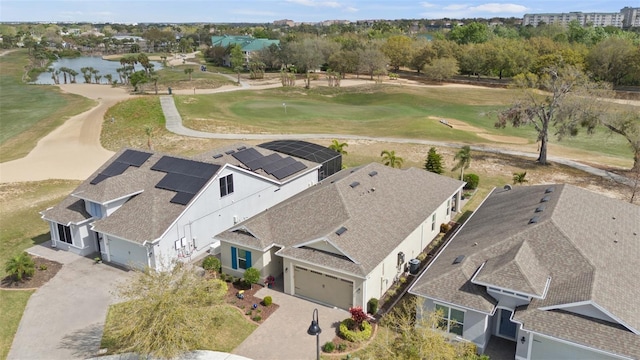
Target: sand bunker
x,y
461,125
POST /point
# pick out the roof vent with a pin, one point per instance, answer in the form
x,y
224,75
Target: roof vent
x,y
217,156
534,220
229,152
545,199
373,173
549,190
540,208
354,184
507,187
341,231
458,259
241,148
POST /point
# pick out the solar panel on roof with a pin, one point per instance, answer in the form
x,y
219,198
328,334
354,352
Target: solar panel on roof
x,y
277,165
199,169
229,152
373,173
288,170
354,184
182,198
247,155
98,179
263,161
217,156
181,183
114,169
133,157
341,230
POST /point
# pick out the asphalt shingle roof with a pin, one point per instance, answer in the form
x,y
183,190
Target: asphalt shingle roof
x,y
588,244
378,214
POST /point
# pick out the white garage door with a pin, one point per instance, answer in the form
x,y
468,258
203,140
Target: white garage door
x,y
324,288
127,253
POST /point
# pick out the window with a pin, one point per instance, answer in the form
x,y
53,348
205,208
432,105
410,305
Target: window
x,y
226,185
64,234
451,320
240,258
433,222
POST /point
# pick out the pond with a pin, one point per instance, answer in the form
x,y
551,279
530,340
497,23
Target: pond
x,y
103,66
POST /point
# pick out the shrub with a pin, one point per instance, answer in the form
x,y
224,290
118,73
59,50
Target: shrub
x,y
251,275
472,181
444,228
329,346
267,301
357,315
342,347
372,306
211,263
42,267
361,334
248,312
257,318
20,266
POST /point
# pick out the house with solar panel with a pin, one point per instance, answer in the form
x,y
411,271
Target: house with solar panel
x,y
547,271
347,239
146,209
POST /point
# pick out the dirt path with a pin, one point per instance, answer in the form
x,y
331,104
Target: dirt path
x,y
73,150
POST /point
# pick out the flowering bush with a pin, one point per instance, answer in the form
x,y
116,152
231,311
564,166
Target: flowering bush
x,y
358,316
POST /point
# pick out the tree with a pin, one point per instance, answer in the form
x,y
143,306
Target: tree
x,y
371,60
237,60
338,147
472,33
441,69
627,124
189,71
20,266
569,102
138,78
251,276
464,160
148,130
611,60
398,50
520,178
411,332
389,158
434,162
162,315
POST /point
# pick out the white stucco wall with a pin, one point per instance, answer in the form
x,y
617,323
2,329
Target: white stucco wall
x,y
83,240
545,348
210,214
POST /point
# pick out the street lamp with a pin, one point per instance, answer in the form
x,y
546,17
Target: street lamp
x,y
314,330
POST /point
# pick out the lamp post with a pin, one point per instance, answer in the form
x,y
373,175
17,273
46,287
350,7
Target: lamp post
x,y
314,330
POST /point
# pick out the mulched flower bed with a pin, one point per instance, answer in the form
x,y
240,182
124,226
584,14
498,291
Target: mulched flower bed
x,y
260,313
45,271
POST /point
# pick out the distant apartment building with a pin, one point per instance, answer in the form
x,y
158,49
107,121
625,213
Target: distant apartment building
x,y
626,18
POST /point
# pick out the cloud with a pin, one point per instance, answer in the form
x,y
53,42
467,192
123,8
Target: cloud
x,y
459,11
499,8
456,7
427,5
314,3
351,9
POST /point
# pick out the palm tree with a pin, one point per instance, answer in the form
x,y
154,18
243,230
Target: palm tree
x,y
148,130
389,158
464,160
20,266
519,178
338,147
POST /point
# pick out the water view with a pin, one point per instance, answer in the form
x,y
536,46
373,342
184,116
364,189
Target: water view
x,y
103,66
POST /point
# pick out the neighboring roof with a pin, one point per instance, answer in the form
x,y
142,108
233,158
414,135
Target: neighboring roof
x,y
302,149
588,244
158,190
247,43
377,205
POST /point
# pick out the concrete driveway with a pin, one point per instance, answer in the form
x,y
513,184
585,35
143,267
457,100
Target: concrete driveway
x,y
283,335
64,319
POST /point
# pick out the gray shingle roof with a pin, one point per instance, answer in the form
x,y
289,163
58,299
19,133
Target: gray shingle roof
x,y
378,213
587,243
149,212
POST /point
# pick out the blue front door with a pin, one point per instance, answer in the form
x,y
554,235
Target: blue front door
x,y
507,327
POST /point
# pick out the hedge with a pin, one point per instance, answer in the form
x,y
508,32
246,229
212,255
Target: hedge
x,y
355,336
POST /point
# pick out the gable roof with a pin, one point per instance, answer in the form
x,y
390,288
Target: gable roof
x,y
588,244
376,208
157,191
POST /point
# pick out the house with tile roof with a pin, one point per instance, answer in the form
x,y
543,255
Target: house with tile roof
x,y
248,44
146,209
347,239
553,269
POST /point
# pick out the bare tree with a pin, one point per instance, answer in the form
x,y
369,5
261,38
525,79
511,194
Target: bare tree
x,y
627,124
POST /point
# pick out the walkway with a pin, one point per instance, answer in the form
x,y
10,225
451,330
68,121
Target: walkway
x,y
64,319
174,124
283,336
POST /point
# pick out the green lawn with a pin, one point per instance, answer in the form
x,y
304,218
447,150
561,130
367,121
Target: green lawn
x,y
29,112
12,304
227,328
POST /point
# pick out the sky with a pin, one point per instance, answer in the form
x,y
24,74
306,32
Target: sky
x,y
266,11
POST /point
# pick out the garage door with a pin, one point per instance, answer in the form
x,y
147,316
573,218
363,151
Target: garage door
x,y
127,253
323,288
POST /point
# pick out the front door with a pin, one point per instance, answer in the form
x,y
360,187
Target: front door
x,y
506,328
